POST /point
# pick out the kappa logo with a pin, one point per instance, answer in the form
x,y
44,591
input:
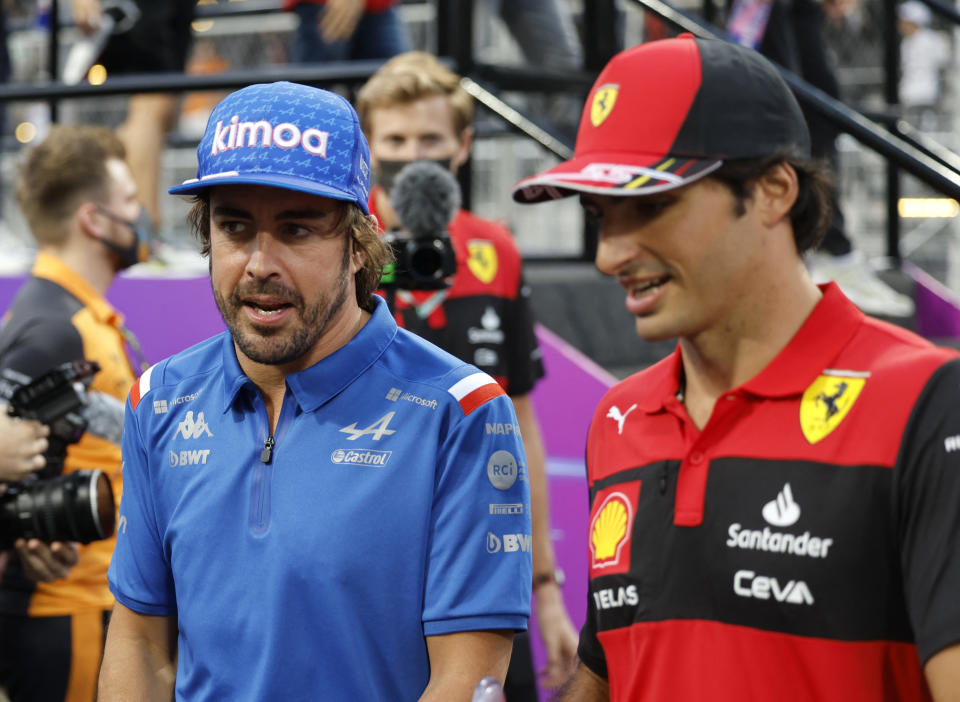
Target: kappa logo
x,y
746,583
377,430
196,457
191,428
828,400
159,406
782,511
614,414
603,101
263,134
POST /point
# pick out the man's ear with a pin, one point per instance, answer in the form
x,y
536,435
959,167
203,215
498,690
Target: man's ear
x,y
775,193
90,220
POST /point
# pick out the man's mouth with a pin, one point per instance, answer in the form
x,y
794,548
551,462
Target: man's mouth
x,y
648,285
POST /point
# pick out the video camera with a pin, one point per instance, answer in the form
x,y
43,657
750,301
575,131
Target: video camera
x,y
48,506
426,198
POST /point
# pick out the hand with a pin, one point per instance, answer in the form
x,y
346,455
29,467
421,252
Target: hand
x,y
558,635
22,443
46,562
339,19
87,15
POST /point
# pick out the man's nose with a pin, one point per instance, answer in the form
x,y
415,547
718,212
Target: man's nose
x,y
265,255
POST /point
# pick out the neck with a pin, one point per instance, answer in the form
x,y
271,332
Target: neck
x,y
271,380
728,355
385,212
96,270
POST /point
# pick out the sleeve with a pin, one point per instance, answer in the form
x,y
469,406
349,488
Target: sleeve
x,y
928,512
479,568
526,365
139,574
589,649
42,346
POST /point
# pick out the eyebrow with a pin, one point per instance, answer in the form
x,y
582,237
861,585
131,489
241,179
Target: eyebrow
x,y
224,211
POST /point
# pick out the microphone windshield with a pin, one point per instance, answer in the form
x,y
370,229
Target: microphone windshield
x,y
426,198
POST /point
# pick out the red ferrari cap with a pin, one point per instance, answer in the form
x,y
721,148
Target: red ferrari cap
x,y
668,112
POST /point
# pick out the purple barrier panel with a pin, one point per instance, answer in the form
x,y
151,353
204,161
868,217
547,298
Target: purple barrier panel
x,y
166,314
938,308
564,401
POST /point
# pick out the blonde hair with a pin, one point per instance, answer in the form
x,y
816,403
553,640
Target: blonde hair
x,y
414,76
61,172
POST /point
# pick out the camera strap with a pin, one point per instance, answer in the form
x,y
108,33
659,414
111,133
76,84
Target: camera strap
x,y
425,308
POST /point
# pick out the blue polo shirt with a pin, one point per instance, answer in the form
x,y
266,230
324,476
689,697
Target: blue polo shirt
x,y
390,504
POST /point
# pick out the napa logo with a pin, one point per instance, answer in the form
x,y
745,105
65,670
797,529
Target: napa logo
x,y
609,532
603,101
828,400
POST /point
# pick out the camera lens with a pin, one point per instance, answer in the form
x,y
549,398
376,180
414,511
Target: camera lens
x,y
78,507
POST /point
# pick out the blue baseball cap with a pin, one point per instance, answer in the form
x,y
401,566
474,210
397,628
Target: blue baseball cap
x,y
284,135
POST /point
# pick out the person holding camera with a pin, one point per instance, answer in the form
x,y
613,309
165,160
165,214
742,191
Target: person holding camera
x,y
414,109
307,495
22,443
80,201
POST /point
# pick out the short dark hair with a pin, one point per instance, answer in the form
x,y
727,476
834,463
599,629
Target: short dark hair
x,y
360,227
810,215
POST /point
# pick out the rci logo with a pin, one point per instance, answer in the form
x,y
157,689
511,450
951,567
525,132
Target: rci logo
x,y
502,470
189,458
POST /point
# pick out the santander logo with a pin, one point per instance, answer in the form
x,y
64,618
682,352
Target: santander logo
x,y
236,135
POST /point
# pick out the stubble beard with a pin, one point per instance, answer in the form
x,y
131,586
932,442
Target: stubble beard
x,y
275,347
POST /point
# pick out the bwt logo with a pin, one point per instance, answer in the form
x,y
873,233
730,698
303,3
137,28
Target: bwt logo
x,y
262,133
367,457
510,543
196,457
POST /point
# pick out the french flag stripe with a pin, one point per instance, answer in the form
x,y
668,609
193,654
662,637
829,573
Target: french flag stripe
x,y
474,390
140,388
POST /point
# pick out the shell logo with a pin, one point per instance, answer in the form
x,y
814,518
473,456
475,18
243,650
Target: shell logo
x,y
608,533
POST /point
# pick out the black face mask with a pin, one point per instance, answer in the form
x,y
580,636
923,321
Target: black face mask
x,y
387,171
139,250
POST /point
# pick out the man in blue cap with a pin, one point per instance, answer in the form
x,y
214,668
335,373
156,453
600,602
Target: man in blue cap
x,y
311,498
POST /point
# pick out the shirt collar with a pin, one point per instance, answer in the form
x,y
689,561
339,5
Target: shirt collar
x,y
51,268
316,385
831,324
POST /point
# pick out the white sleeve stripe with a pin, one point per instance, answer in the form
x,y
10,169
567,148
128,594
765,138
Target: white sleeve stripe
x,y
145,381
465,386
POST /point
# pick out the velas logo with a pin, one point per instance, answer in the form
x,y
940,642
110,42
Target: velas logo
x,y
236,135
611,526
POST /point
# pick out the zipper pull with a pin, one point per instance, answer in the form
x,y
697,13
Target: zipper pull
x,y
267,452
663,479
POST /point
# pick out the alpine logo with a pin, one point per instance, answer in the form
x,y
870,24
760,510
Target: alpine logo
x,y
746,583
191,428
189,458
263,134
782,511
377,430
361,457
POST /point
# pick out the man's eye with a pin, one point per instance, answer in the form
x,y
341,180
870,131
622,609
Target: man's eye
x,y
232,228
292,229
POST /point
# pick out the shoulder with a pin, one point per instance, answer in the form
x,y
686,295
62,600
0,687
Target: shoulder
x,y
411,360
894,354
192,366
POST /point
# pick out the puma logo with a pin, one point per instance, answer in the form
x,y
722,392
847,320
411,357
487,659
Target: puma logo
x,y
614,414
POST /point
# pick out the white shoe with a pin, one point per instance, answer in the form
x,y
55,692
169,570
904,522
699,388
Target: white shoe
x,y
860,283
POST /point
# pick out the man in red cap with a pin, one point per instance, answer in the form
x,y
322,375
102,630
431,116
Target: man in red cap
x,y
774,505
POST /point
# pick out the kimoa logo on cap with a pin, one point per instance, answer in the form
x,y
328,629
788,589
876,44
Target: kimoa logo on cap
x,y
237,134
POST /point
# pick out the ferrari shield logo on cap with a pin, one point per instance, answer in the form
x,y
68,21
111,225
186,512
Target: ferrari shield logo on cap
x,y
828,401
482,260
603,101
